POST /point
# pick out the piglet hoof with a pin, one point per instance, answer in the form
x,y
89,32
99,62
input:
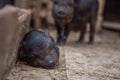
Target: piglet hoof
x,y
90,42
79,41
61,42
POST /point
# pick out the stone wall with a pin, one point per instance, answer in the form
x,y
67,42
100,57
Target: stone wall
x,y
12,28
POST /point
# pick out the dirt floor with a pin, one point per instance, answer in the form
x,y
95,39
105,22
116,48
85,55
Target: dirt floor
x,y
100,61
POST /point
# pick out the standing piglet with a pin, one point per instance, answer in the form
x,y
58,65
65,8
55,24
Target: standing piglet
x,y
74,13
39,49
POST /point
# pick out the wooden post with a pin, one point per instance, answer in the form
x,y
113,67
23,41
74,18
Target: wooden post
x,y
100,15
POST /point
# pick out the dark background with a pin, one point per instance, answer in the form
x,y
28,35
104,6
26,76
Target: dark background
x,y
112,10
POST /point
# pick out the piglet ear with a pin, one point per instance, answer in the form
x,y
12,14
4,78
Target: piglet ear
x,y
46,32
24,45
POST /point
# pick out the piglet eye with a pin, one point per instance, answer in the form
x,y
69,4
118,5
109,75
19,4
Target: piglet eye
x,y
31,56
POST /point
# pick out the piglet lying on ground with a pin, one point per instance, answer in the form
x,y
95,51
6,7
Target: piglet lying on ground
x,y
39,49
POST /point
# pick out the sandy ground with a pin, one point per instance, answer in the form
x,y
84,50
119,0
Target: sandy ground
x,y
100,61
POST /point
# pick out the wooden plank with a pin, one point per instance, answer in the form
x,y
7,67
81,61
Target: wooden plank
x,y
111,25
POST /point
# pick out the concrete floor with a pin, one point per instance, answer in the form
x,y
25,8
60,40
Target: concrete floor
x,y
100,61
